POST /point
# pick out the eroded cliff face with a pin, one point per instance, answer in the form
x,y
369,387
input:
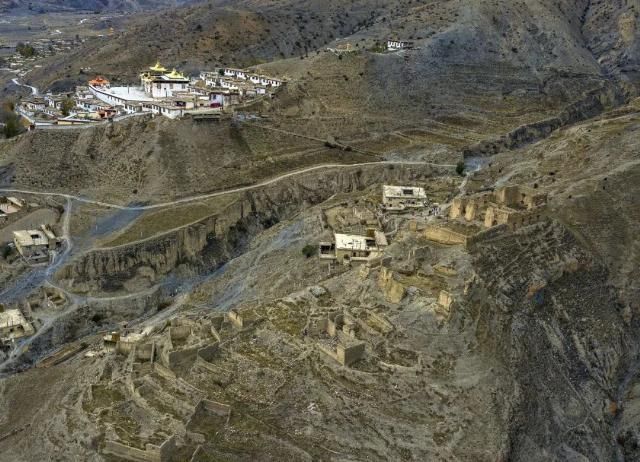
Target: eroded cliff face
x,y
209,243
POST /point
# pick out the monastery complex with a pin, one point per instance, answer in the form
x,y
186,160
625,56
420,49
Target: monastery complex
x,y
160,91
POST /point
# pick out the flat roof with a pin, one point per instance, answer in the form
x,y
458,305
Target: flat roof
x,y
128,93
404,192
10,318
169,79
31,237
15,201
353,242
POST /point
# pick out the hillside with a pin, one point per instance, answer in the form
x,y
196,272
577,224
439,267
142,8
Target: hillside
x,y
57,6
549,50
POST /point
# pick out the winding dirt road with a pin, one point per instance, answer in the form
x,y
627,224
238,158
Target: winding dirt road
x,y
219,193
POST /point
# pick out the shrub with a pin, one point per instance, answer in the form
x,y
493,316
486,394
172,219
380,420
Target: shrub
x,y
5,251
460,168
309,250
67,106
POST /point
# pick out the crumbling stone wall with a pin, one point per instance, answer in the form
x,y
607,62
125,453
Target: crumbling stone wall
x,y
514,219
151,453
394,291
445,235
349,354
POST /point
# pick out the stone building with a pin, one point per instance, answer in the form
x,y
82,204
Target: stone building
x,y
348,248
36,245
13,326
510,205
400,198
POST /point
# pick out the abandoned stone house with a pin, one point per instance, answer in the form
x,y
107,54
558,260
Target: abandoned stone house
x,y
496,216
36,245
512,205
13,326
348,248
399,198
470,207
343,346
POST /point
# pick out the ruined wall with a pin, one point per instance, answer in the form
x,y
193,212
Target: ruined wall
x,y
213,407
151,453
209,353
349,354
145,351
179,332
182,358
444,235
445,300
393,290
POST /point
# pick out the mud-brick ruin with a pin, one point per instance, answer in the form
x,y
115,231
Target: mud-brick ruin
x,y
513,206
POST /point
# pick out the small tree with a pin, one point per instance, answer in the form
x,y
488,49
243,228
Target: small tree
x,y
26,50
12,126
67,105
460,167
5,251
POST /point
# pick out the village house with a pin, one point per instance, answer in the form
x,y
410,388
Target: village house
x,y
235,73
14,326
342,49
399,198
34,104
239,74
93,105
55,101
36,245
396,45
83,93
348,248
